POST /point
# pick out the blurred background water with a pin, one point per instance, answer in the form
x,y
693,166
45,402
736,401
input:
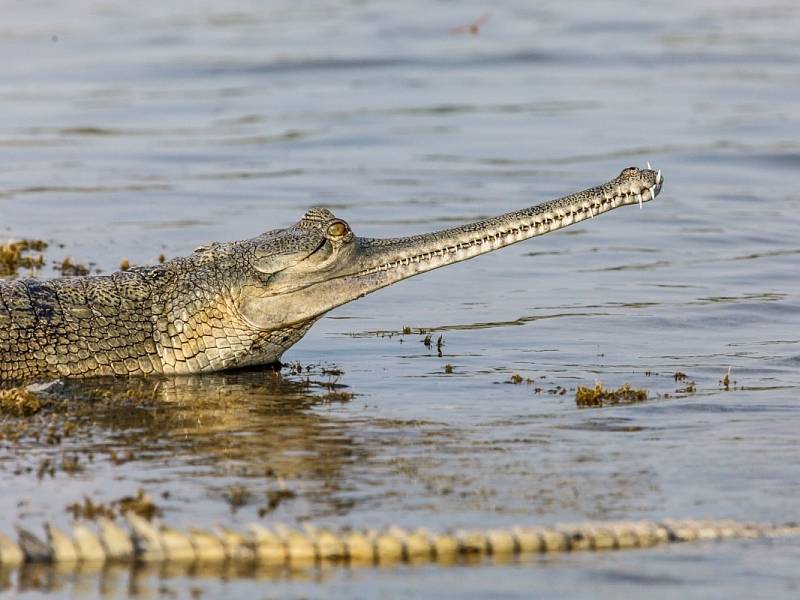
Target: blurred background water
x,y
128,130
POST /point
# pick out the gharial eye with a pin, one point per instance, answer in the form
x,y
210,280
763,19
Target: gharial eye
x,y
338,229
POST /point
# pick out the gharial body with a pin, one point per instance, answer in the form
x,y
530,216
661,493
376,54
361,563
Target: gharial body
x,y
244,303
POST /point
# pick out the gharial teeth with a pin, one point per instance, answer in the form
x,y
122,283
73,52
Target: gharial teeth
x,y
639,198
648,166
658,176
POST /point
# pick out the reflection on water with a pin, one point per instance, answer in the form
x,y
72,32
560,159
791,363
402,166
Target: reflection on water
x,y
275,430
258,428
143,580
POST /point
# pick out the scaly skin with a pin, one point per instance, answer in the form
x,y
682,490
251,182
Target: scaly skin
x,y
244,303
171,319
280,546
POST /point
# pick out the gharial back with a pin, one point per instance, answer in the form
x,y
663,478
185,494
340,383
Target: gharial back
x,y
174,318
77,327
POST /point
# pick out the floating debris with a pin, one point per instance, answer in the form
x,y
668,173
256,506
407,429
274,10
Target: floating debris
x,y
598,396
448,368
680,376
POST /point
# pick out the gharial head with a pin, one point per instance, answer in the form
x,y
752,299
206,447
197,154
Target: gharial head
x,y
287,265
316,247
299,273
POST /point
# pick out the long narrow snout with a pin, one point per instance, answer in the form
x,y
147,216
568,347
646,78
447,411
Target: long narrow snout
x,y
405,257
382,262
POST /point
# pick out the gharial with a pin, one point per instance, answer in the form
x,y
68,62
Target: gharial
x,y
244,303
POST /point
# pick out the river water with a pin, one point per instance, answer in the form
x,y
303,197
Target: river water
x,y
130,130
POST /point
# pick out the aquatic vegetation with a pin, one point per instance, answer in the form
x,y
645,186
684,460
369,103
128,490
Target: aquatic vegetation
x,y
14,256
274,499
598,396
90,510
141,504
337,396
725,382
67,268
19,402
517,379
237,496
29,255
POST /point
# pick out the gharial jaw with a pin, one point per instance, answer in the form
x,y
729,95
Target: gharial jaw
x,y
418,254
